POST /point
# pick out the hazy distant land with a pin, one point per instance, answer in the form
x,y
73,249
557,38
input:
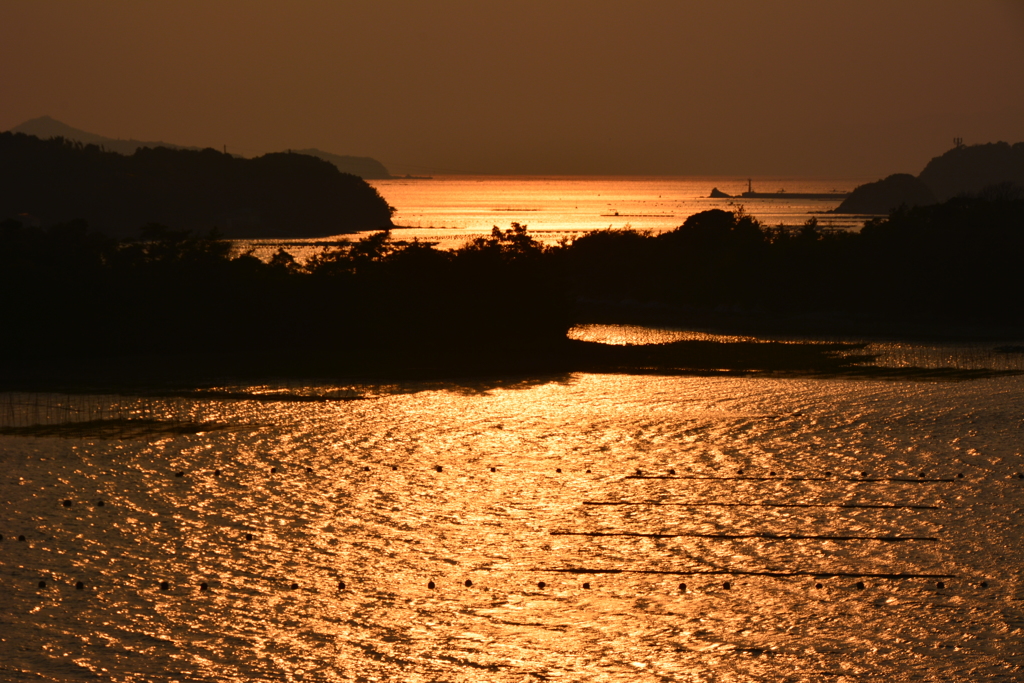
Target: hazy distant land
x,y
45,128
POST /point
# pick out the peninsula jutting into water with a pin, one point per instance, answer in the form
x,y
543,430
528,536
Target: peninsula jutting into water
x,y
780,194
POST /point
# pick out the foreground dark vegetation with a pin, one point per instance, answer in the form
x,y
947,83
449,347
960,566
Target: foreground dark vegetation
x,y
176,305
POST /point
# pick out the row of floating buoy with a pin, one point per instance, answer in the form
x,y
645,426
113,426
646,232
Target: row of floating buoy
x,y
468,583
726,585
166,586
639,472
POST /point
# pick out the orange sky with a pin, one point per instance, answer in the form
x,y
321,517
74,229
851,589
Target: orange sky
x,y
852,89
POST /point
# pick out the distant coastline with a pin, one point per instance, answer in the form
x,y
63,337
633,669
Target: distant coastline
x,y
751,193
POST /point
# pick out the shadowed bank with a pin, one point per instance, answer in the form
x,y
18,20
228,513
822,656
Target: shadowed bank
x,y
177,305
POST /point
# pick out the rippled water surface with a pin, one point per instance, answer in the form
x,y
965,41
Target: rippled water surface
x,y
574,528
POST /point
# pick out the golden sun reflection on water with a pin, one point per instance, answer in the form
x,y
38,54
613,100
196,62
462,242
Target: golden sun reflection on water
x,y
320,533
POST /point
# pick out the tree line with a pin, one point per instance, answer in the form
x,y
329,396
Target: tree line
x,y
498,302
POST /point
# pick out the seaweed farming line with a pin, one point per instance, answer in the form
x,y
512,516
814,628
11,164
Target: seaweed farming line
x,y
774,478
865,506
741,572
761,535
19,410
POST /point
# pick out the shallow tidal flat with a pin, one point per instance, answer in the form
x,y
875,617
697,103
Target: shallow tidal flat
x,y
586,526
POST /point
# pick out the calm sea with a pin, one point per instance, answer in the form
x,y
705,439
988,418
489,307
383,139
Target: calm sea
x,y
454,208
581,527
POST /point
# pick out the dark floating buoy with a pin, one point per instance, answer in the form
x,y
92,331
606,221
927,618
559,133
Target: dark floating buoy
x,y
921,475
586,586
558,469
341,585
541,584
366,469
960,475
828,474
79,586
216,473
164,585
672,472
494,469
67,503
727,585
431,585
295,586
203,586
863,474
394,468
309,470
1,537
639,473
940,585
772,473
438,468
273,470
42,584
248,537
739,471
179,474
100,503
1020,476
469,584
860,585
984,584
21,537
588,471
682,588
818,585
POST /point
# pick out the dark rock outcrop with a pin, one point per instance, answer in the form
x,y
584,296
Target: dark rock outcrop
x,y
882,196
718,194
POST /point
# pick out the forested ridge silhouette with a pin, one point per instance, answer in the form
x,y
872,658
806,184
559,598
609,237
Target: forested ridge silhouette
x,y
275,195
384,306
965,169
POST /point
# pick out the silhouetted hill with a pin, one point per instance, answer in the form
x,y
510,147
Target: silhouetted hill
x,y
882,196
972,168
366,168
45,128
276,195
965,169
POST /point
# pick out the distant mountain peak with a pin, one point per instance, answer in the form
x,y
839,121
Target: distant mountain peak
x,y
46,127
